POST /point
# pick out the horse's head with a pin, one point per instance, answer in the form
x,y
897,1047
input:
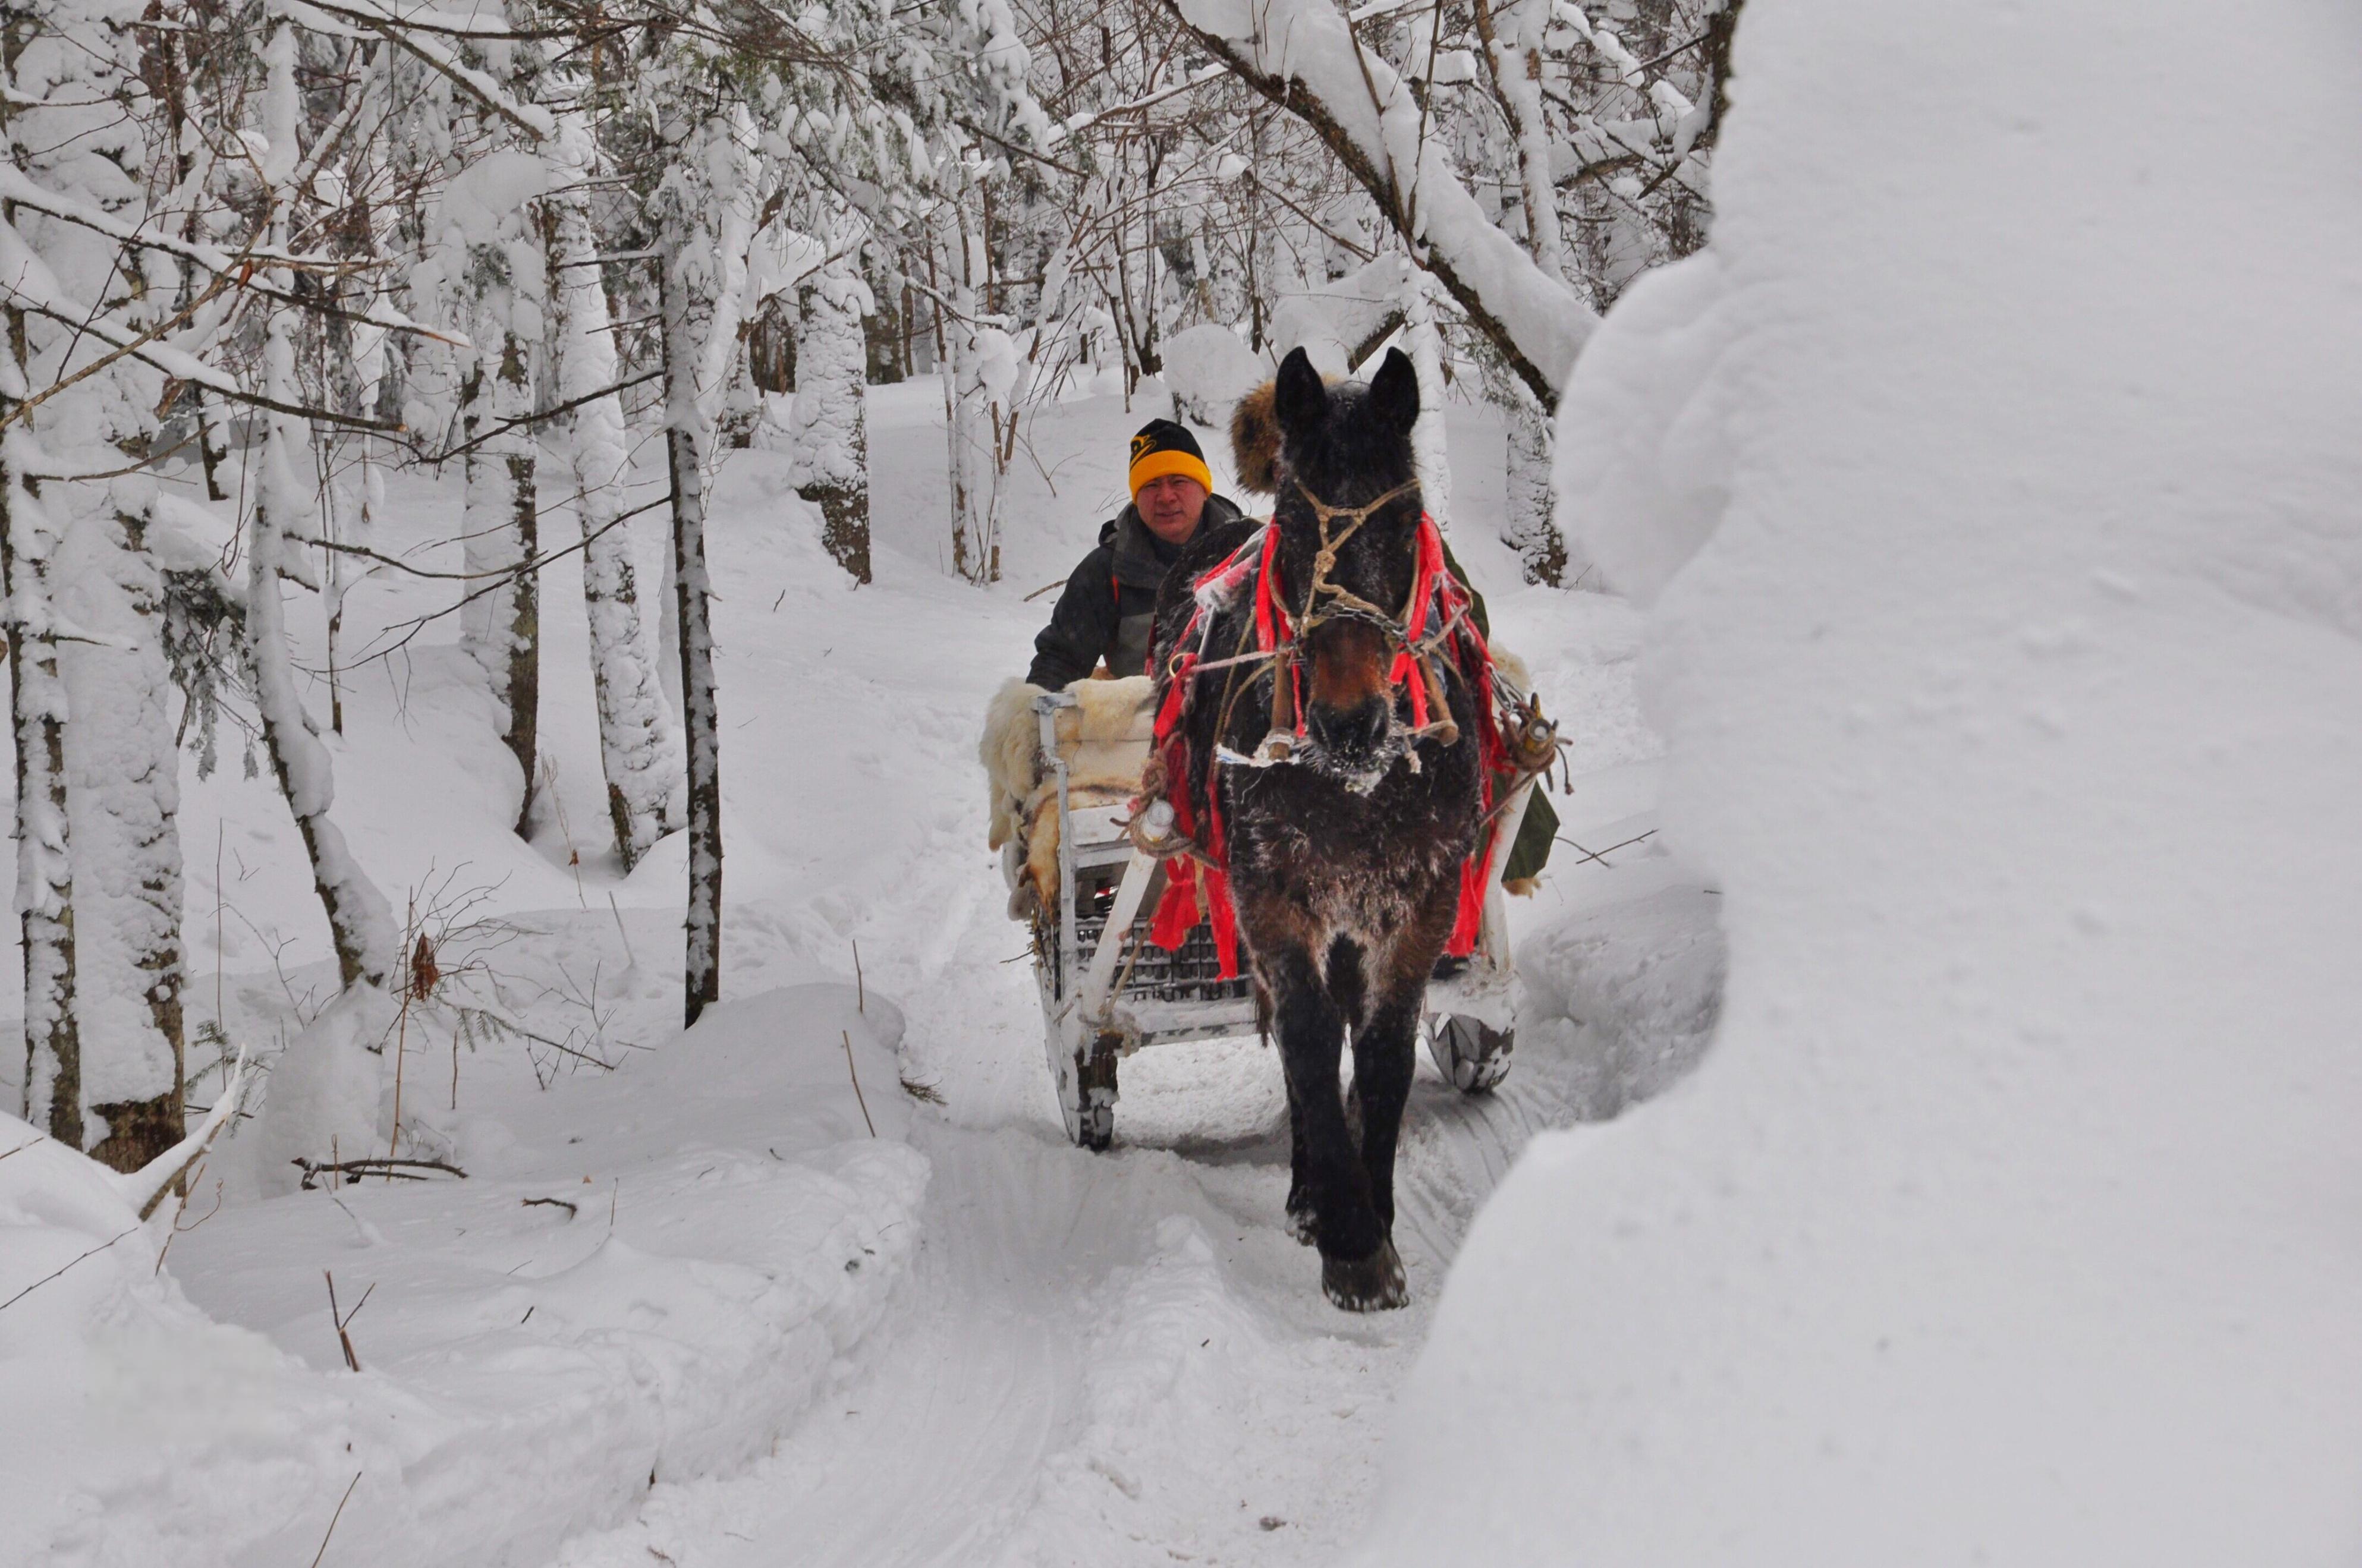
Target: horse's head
x,y
1341,448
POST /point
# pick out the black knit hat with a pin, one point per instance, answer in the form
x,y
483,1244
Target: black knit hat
x,y
1163,447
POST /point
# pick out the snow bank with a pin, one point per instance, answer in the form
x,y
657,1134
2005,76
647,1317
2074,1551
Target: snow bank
x,y
646,1274
137,1430
2012,705
1642,465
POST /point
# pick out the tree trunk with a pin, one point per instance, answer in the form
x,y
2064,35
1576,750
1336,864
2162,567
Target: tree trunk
x,y
360,924
124,768
639,750
1529,520
53,1095
1431,452
969,410
828,424
502,628
688,261
1513,56
727,402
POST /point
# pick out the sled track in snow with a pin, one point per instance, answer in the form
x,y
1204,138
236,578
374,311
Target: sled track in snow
x,y
972,1428
1110,1358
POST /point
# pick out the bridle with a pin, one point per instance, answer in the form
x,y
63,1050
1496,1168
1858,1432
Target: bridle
x,y
1348,605
1278,635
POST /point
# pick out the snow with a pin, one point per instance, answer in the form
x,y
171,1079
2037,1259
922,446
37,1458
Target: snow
x,y
1208,369
1644,451
1053,1356
2009,695
481,199
526,1370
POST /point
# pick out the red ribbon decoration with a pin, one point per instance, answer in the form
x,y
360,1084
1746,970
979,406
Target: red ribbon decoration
x,y
1195,890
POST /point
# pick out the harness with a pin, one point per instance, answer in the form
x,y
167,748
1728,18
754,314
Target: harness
x,y
1436,625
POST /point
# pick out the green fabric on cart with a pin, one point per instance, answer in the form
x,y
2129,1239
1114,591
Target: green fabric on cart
x,y
1531,851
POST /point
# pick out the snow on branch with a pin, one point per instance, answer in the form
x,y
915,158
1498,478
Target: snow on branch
x,y
532,119
1302,55
146,1188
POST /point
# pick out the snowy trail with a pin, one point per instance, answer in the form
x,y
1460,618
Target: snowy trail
x,y
905,1465
1022,1406
1111,1358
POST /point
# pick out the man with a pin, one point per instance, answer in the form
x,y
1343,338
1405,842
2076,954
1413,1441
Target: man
x,y
1110,603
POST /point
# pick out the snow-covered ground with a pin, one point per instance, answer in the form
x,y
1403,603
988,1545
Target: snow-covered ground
x,y
759,1335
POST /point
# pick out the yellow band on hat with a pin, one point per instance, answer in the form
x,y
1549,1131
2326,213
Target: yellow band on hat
x,y
1171,460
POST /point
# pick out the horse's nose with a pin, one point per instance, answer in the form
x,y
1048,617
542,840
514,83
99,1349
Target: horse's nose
x,y
1349,734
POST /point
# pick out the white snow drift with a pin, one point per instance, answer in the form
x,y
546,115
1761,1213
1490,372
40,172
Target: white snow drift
x,y
2015,704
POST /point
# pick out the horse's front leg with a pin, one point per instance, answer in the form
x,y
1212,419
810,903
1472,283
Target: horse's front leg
x,y
1300,1223
1359,1270
1385,1050
1299,1188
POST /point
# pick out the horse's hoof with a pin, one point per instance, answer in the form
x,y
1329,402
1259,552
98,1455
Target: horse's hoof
x,y
1373,1283
1301,1223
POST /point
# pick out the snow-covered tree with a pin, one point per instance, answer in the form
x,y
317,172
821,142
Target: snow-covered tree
x,y
828,433
639,748
695,137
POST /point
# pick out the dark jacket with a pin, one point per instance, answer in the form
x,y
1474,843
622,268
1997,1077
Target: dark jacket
x,y
1109,602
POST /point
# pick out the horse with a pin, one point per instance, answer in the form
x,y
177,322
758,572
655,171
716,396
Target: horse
x,y
1321,752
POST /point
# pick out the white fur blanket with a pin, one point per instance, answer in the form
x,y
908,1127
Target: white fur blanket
x,y
1104,739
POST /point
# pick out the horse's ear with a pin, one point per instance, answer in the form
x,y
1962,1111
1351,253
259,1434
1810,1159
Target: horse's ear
x,y
1394,392
1300,398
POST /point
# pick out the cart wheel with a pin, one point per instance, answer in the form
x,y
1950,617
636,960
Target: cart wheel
x,y
1469,1053
1085,1086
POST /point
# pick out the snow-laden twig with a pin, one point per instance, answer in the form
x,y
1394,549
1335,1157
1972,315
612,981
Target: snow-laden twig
x,y
145,1188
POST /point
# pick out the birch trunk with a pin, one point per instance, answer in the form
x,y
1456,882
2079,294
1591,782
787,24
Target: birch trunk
x,y
44,859
1513,54
727,402
360,924
1528,518
688,261
502,628
968,409
639,749
1430,451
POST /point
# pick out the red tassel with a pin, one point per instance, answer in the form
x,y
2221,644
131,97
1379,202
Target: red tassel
x,y
1271,619
1176,911
1224,919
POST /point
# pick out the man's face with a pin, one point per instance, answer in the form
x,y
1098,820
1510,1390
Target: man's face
x,y
1170,505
